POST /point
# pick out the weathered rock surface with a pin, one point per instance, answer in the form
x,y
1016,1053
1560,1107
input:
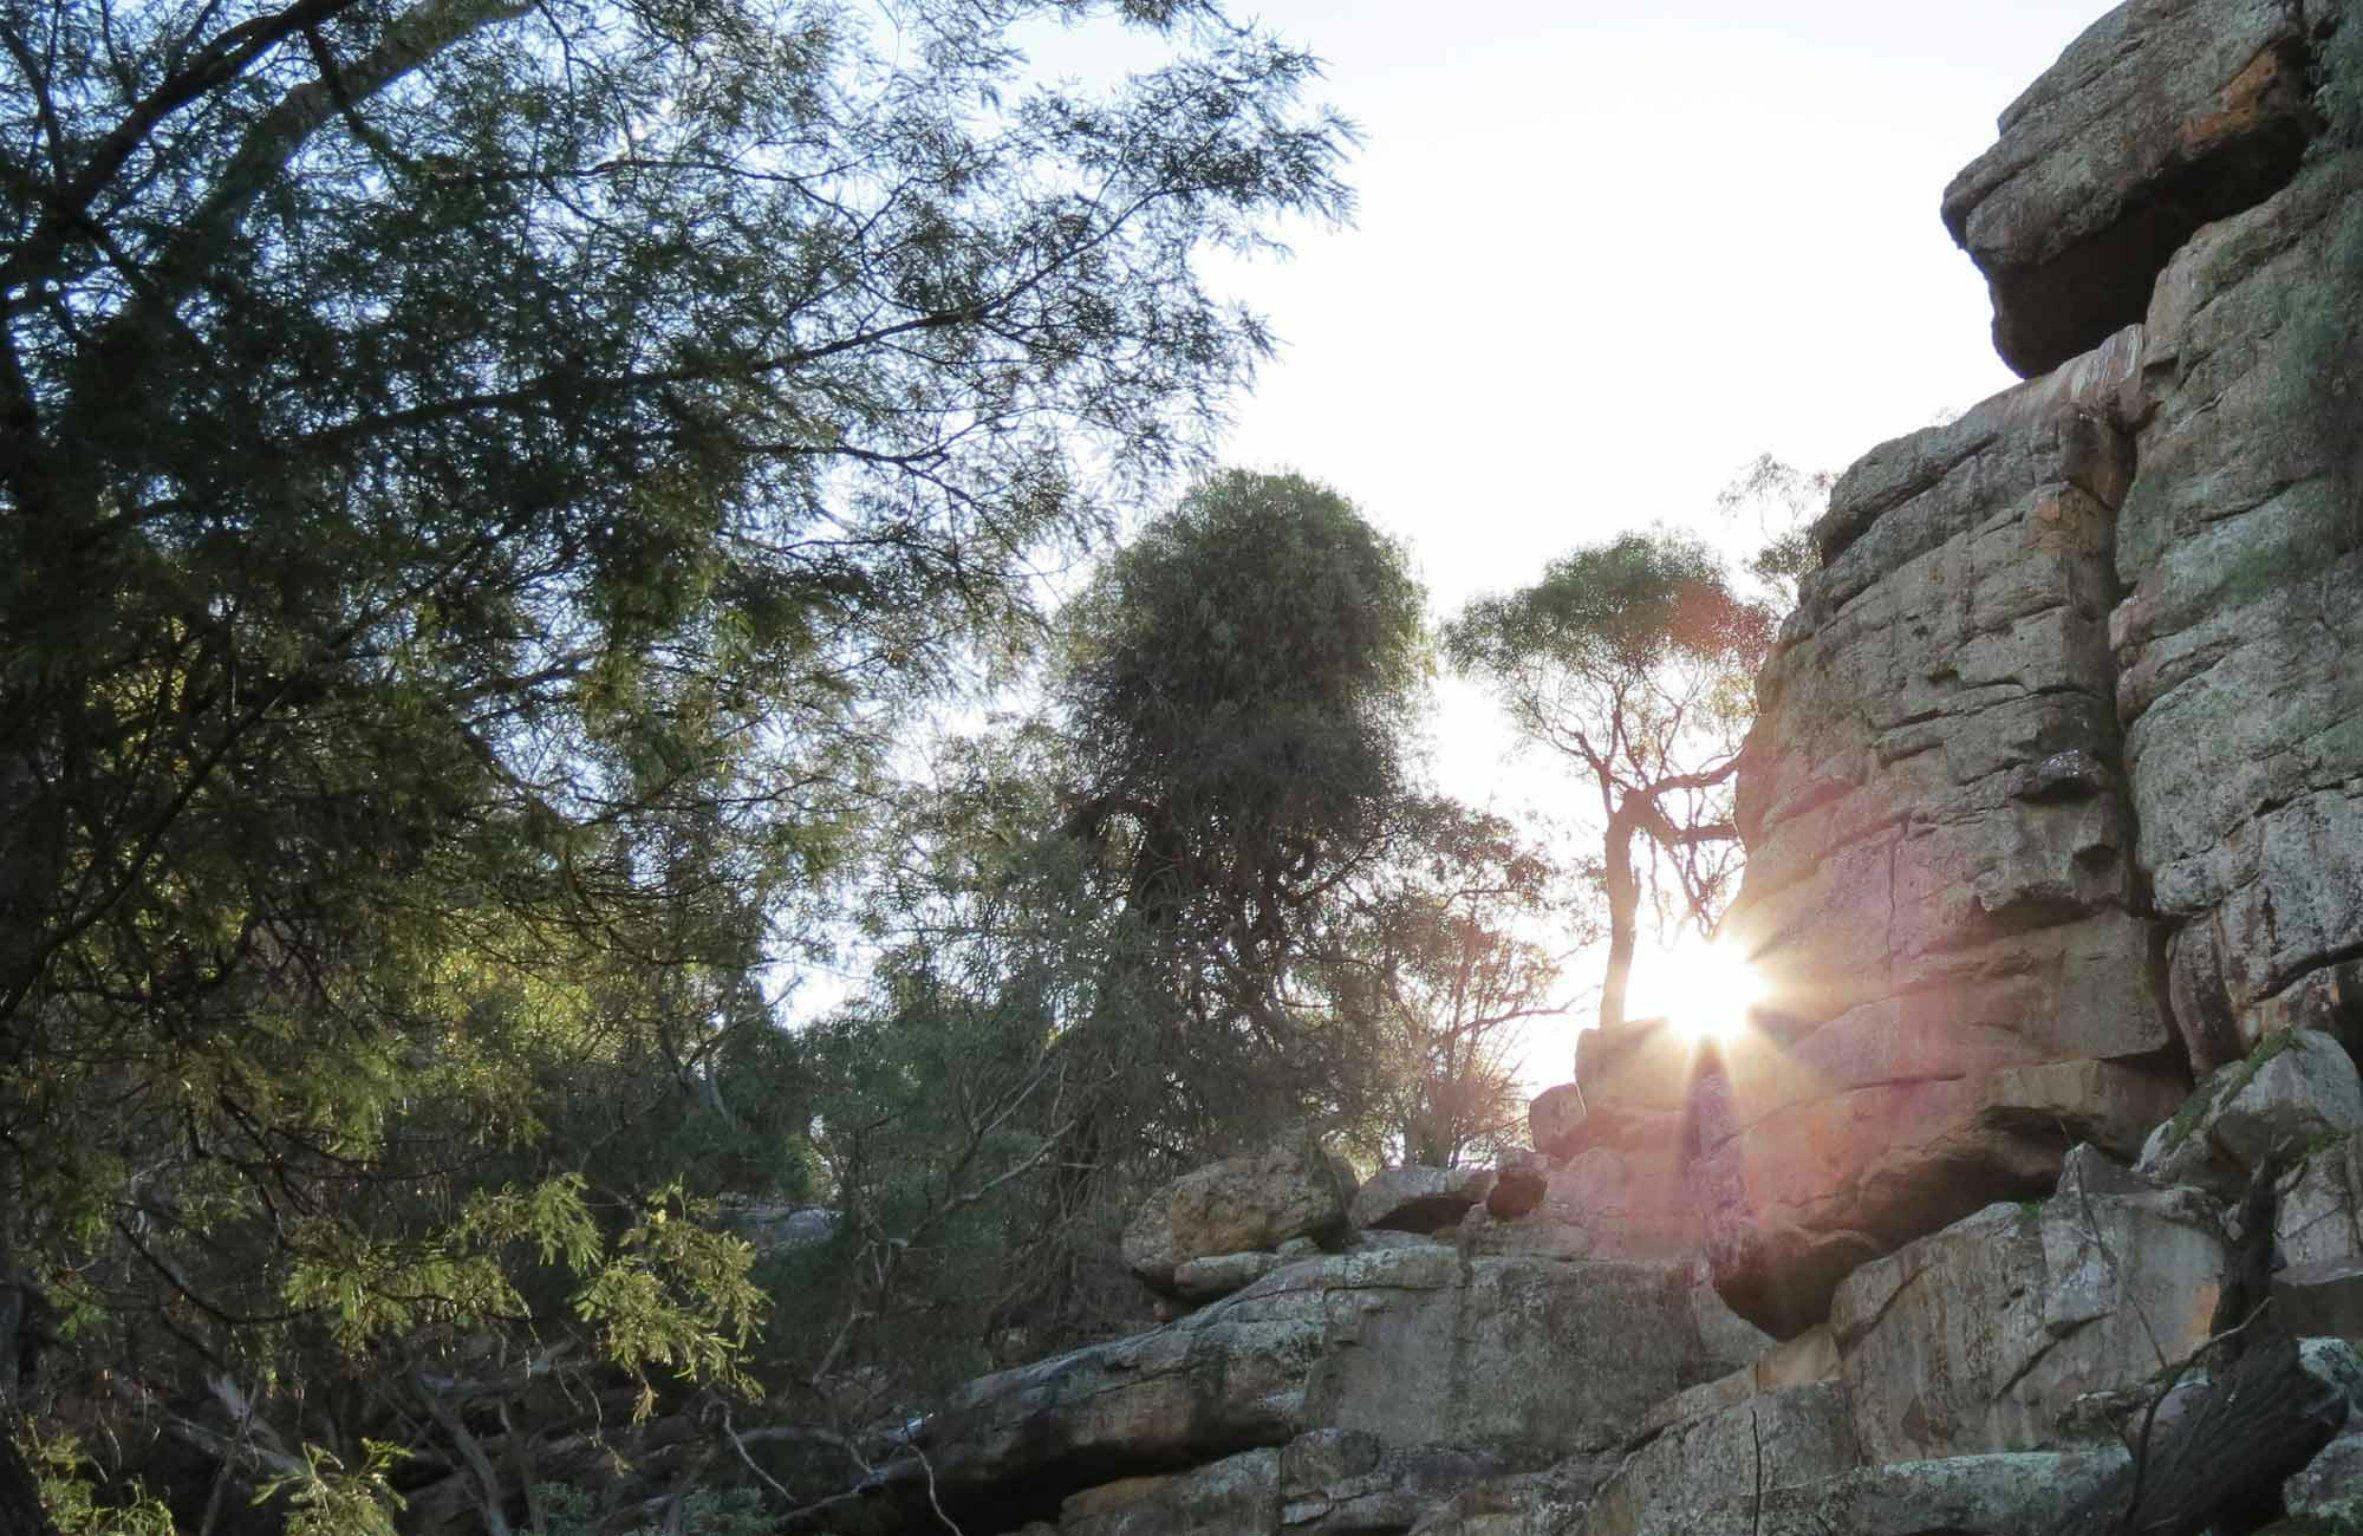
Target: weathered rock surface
x,y
1221,1274
1980,1337
2294,1091
1529,1360
1239,1205
1940,889
2164,115
2238,546
1414,1199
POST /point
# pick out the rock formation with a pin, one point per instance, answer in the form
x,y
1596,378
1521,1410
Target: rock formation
x,y
2054,810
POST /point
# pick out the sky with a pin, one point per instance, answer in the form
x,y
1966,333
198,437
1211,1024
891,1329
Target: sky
x,y
1607,254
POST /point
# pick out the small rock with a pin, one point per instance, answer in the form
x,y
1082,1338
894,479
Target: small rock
x,y
1520,1180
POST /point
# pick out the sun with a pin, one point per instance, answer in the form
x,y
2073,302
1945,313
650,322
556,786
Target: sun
x,y
1702,990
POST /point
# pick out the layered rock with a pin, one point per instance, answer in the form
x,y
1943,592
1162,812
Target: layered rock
x,y
1940,888
2165,115
1420,1348
2239,546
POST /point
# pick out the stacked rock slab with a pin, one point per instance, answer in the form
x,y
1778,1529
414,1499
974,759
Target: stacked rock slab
x,y
2057,789
1940,888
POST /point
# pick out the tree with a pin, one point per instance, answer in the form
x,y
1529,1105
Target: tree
x,y
1241,682
1433,960
1634,659
481,487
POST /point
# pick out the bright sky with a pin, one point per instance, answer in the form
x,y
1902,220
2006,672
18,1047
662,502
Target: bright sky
x,y
1609,253
1606,255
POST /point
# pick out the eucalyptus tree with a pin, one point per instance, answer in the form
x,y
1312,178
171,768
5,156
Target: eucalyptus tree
x,y
480,483
1634,660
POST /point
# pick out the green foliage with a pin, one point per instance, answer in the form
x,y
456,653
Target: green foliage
x,y
485,490
326,1499
1241,679
73,1502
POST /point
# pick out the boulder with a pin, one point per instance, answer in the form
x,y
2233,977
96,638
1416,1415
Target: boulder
x,y
2163,116
1521,1180
1984,1336
1554,1118
2319,1217
1241,1204
2296,1090
1415,1199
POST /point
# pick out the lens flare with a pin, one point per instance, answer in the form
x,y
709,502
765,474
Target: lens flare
x,y
1702,990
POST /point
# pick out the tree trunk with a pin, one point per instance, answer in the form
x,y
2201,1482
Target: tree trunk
x,y
1624,913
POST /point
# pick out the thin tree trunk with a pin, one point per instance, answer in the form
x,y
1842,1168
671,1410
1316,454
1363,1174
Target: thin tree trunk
x,y
1624,913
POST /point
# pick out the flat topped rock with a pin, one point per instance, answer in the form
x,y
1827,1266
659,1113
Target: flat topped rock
x,y
1419,1199
2164,116
1246,1204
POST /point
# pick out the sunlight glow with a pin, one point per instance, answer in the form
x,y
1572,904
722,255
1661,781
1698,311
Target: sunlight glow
x,y
1703,990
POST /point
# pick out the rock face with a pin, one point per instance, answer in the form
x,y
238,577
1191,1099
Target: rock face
x,y
1525,1360
2165,115
2059,769
1239,1205
1940,887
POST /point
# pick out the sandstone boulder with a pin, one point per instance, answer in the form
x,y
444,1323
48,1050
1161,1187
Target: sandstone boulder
x,y
1241,1204
1521,1181
1984,1336
2296,1090
2163,116
1415,1199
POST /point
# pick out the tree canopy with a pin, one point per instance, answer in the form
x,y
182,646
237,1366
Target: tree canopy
x,y
1635,660
485,485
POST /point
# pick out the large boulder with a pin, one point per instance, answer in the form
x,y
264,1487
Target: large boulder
x,y
1986,1336
1292,1188
1414,1199
2163,116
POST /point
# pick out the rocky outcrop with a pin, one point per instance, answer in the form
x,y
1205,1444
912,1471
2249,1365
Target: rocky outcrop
x,y
2060,762
1247,1204
2054,807
1526,1360
2164,116
2239,549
